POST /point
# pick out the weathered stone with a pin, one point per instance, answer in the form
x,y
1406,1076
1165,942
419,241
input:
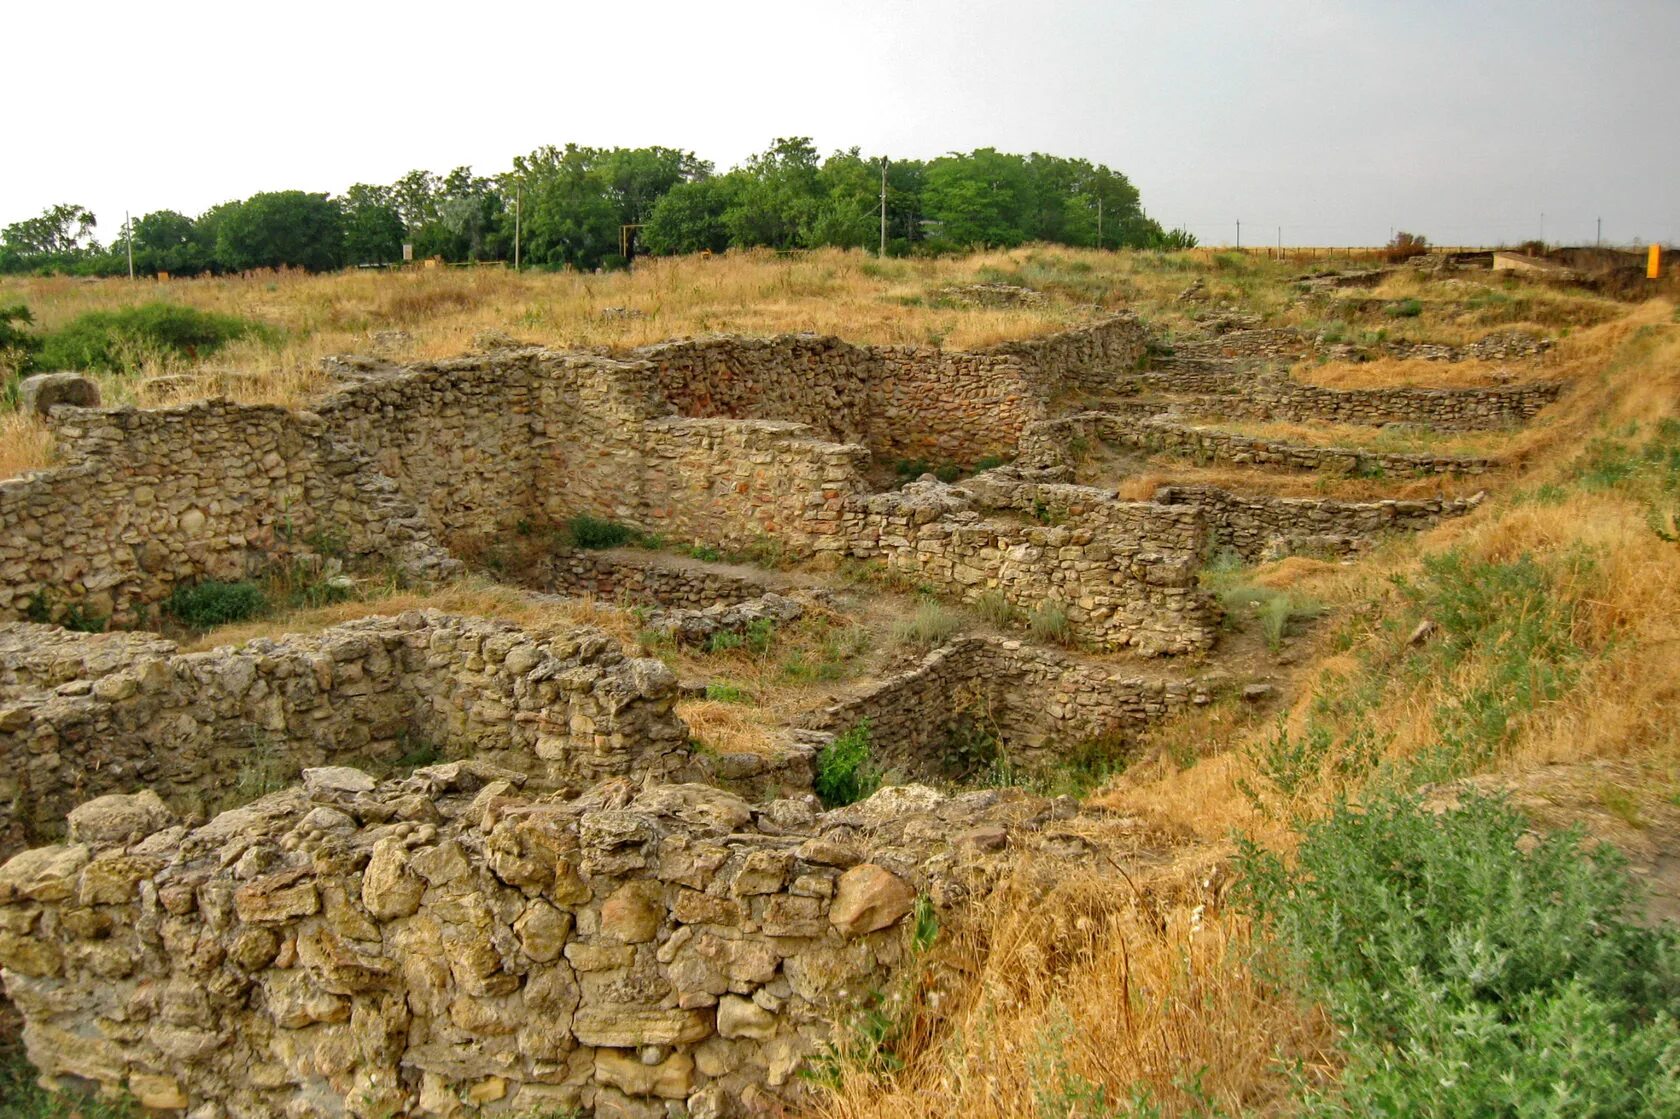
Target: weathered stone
x,y
630,1027
118,820
738,1017
43,392
671,1079
389,888
868,898
631,915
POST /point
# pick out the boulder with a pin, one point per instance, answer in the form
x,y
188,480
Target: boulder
x,y
119,820
869,898
45,391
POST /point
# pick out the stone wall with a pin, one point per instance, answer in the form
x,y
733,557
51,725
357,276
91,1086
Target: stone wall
x,y
443,945
1259,527
1046,444
1037,703
1124,572
149,499
902,402
649,579
1239,393
731,483
205,728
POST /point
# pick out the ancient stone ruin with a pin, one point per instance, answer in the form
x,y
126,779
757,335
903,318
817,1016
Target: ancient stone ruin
x,y
263,905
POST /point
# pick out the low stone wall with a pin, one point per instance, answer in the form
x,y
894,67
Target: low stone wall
x,y
1124,572
646,580
1472,409
150,499
1038,704
1046,444
902,402
732,483
206,728
1260,527
443,945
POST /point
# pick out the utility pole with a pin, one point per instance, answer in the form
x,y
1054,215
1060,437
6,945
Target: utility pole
x,y
1099,221
1542,229
1598,241
128,236
1280,242
1239,233
516,229
883,253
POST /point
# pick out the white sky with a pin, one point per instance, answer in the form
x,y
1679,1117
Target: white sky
x,y
1464,120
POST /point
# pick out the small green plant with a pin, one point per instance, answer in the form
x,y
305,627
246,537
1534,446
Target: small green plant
x,y
989,462
723,692
995,610
21,1097
1049,622
930,624
212,602
38,609
845,772
970,746
704,553
723,641
586,531
1405,309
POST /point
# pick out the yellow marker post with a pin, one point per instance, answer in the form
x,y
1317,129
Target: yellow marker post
x,y
1653,262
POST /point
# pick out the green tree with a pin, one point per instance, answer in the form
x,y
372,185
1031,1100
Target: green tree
x,y
688,218
59,238
373,229
166,241
978,200
848,214
287,228
778,196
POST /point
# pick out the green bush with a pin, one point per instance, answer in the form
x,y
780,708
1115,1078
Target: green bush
x,y
727,693
597,532
1049,622
1405,309
845,773
117,341
931,624
1469,972
212,603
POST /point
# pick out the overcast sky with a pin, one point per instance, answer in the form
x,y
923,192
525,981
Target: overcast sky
x,y
1464,121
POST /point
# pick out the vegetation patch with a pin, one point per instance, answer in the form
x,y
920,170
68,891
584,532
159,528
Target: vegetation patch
x,y
213,602
121,341
846,773
1472,969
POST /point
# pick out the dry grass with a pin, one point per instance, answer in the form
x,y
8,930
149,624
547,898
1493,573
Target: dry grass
x,y
1389,373
1064,988
1163,471
1050,991
1383,440
470,596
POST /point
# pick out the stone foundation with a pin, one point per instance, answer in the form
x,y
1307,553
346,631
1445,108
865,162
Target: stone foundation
x,y
1047,444
1037,704
1259,527
445,945
204,729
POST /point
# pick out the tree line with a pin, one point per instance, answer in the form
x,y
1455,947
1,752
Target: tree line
x,y
589,208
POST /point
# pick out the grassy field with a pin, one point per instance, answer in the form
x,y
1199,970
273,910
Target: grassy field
x,y
1222,982
418,314
1552,663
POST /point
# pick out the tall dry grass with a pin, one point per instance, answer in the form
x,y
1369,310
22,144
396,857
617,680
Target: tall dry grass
x,y
1050,996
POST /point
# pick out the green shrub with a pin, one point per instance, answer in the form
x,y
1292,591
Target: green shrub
x,y
932,623
1405,309
597,532
727,693
993,609
1470,973
845,774
117,341
212,602
970,746
1049,622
